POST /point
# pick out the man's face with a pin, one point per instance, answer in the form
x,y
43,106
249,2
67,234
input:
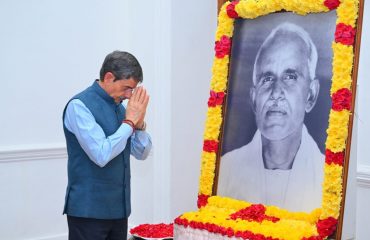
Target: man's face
x,y
118,89
122,89
283,89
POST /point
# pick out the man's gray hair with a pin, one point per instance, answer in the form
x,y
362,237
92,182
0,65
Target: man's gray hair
x,y
122,65
290,28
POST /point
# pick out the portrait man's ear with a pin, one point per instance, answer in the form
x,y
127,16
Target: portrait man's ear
x,y
252,96
313,93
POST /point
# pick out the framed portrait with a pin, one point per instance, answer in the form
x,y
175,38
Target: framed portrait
x,y
278,129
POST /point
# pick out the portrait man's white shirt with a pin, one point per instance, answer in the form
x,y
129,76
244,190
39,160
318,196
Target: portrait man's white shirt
x,y
243,176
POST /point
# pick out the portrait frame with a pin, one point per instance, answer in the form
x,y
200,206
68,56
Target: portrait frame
x,y
321,223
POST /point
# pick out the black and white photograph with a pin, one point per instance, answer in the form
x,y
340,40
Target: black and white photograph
x,y
277,110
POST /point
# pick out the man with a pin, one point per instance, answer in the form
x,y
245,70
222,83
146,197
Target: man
x,y
282,165
101,134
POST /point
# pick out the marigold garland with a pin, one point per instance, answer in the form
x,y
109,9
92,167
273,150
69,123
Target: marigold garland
x,y
230,217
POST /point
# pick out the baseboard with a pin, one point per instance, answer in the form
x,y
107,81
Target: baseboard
x,y
63,236
363,176
32,153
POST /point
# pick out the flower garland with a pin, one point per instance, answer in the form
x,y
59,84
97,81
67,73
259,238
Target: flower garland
x,y
215,213
231,217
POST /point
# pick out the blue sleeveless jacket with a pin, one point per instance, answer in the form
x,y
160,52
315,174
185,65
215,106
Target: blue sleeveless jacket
x,y
92,191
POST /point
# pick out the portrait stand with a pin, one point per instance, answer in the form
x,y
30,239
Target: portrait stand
x,y
283,87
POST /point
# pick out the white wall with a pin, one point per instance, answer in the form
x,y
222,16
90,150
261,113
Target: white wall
x,y
51,50
149,33
193,31
32,193
363,118
363,113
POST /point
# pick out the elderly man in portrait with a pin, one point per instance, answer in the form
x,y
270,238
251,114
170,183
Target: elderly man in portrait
x,y
282,165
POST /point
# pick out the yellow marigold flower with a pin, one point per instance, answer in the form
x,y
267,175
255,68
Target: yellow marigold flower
x,y
220,66
339,82
337,130
219,74
303,7
332,207
302,216
253,9
248,9
204,188
227,203
315,6
332,191
207,172
347,12
225,24
213,123
269,6
342,67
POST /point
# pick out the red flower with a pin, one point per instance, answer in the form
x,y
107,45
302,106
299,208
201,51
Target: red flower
x,y
255,212
223,46
313,238
153,230
345,34
326,226
210,146
183,222
331,4
230,9
342,99
202,200
178,221
215,98
335,158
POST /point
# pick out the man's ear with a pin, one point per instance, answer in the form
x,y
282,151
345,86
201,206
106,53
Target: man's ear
x,y
109,77
252,96
313,93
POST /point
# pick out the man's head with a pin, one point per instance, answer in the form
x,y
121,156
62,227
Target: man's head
x,y
120,74
285,86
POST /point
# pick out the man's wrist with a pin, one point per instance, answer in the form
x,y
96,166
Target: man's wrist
x,y
130,123
142,127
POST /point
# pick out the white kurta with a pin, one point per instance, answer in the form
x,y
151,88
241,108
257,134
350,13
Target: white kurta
x,y
242,176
